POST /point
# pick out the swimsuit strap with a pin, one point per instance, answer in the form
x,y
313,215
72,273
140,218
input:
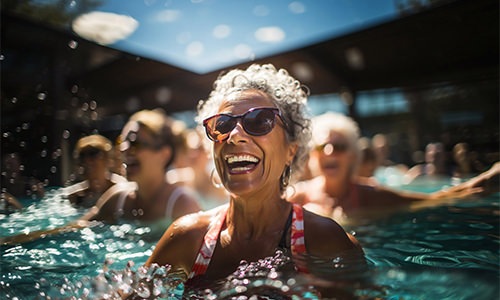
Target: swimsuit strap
x,y
298,243
119,212
207,248
174,196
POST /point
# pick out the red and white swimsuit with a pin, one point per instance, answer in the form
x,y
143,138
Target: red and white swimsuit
x,y
204,256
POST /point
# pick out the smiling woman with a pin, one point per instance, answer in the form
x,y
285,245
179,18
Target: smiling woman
x,y
257,121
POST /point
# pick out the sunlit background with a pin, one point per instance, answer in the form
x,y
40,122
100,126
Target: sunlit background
x,y
419,71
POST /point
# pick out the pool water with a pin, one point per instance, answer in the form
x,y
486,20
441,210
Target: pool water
x,y
444,252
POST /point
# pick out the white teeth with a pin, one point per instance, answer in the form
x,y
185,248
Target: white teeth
x,y
240,158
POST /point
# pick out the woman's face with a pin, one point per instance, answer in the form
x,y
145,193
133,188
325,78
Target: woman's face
x,y
93,161
247,163
142,155
335,156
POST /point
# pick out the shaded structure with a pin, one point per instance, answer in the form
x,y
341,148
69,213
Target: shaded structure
x,y
59,86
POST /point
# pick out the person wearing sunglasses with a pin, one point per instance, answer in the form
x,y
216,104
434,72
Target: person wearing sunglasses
x,y
339,193
94,156
147,147
256,120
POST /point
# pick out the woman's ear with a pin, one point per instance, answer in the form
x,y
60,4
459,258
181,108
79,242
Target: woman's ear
x,y
166,153
292,150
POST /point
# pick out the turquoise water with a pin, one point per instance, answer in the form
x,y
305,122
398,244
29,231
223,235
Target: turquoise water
x,y
444,252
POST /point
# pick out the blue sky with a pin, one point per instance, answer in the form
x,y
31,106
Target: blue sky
x,y
207,35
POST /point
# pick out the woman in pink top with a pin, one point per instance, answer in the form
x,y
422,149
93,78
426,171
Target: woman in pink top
x,y
256,120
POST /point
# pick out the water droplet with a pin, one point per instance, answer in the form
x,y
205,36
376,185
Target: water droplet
x,y
73,44
74,89
6,134
22,144
44,139
26,126
43,153
93,105
42,96
53,169
14,100
66,134
2,57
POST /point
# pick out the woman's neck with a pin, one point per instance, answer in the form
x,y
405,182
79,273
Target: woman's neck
x,y
149,190
99,183
336,188
254,218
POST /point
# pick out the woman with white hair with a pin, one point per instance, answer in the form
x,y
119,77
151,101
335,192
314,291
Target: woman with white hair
x,y
337,192
259,130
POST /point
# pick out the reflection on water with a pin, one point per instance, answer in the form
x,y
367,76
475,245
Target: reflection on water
x,y
445,252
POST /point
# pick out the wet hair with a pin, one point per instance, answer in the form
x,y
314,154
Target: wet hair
x,y
286,92
160,125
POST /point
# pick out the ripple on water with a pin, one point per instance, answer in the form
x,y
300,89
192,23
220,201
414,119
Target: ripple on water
x,y
412,246
480,259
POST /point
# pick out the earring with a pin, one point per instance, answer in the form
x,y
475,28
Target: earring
x,y
285,177
212,179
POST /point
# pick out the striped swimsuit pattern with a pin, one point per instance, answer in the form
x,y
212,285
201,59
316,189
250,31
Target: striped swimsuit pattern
x,y
204,256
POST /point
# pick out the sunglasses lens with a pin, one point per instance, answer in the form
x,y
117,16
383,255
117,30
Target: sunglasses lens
x,y
259,121
330,148
219,126
340,147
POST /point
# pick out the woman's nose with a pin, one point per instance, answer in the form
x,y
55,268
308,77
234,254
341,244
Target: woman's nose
x,y
237,134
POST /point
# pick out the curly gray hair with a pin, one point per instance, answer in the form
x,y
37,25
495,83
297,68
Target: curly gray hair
x,y
287,93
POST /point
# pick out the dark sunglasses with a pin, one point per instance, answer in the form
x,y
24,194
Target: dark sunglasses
x,y
329,148
256,121
132,142
91,153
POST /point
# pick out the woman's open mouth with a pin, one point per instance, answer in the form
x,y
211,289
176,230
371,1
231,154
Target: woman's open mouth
x,y
241,163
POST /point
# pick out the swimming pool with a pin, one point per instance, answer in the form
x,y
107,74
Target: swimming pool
x,y
445,252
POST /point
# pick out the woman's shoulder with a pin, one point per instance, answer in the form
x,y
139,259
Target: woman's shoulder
x,y
196,223
181,242
324,236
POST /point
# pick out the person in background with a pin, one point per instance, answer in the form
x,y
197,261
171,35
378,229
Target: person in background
x,y
146,143
434,165
339,194
192,167
466,165
94,154
147,146
16,185
257,122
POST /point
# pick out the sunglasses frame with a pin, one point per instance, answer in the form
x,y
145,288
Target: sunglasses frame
x,y
241,117
336,147
137,144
